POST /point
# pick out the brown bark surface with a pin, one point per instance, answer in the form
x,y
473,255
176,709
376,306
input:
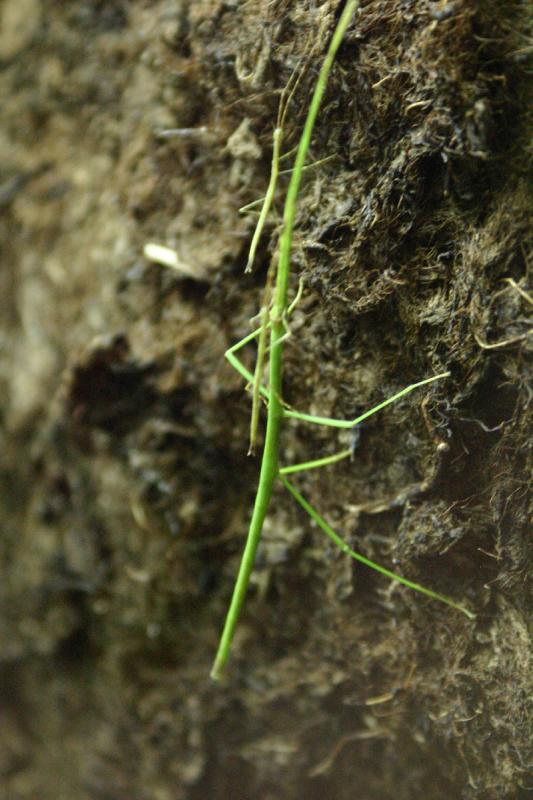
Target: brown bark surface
x,y
124,481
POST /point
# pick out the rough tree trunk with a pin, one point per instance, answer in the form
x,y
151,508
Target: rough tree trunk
x,y
125,484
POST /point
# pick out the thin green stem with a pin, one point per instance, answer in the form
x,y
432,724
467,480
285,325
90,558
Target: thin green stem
x,y
328,530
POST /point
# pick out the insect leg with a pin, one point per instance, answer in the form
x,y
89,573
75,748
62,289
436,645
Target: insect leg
x,y
319,462
269,197
346,423
239,366
321,522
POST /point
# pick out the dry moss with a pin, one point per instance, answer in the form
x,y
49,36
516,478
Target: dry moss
x,y
123,467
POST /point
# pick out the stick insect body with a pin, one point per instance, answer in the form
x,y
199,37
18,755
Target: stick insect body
x,y
274,320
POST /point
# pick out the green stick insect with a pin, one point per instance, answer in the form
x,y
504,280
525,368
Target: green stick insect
x,y
273,318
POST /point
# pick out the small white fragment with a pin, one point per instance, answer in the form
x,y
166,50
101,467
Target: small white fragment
x,y
182,133
167,257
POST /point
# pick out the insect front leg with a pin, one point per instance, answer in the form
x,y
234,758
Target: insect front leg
x,y
239,366
319,462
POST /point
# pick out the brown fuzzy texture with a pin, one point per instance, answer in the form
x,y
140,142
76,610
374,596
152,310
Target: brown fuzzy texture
x,y
123,473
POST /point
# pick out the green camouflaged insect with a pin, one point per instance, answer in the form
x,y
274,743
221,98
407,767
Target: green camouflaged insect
x,y
274,319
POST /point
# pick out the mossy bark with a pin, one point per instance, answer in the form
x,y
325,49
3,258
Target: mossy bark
x,y
124,479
